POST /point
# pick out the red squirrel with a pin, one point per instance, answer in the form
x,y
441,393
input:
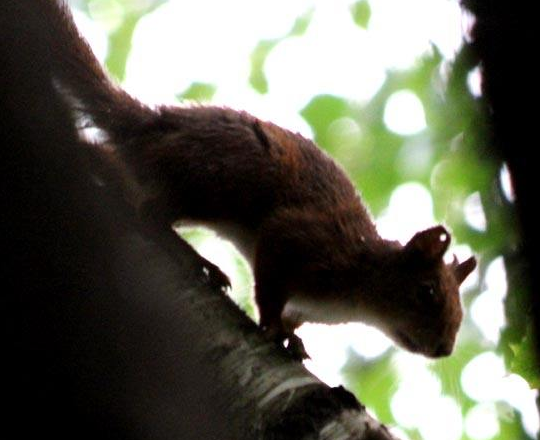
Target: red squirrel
x,y
287,206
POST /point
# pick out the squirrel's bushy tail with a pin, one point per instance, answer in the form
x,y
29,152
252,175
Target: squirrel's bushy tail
x,y
79,75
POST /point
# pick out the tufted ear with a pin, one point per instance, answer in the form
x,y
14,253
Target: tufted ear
x,y
431,243
462,270
261,134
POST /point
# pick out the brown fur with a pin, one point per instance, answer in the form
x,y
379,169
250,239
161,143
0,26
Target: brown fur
x,y
290,208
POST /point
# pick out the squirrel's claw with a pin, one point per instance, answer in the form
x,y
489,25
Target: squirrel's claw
x,y
215,277
296,348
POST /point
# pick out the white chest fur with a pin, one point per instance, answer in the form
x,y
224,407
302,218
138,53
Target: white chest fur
x,y
303,308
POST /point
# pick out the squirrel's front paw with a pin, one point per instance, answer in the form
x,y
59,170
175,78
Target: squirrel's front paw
x,y
296,348
215,277
292,343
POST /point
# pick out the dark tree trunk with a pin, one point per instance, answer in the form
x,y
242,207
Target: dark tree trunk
x,y
502,42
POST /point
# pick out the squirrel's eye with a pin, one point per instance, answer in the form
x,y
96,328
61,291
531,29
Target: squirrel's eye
x,y
428,289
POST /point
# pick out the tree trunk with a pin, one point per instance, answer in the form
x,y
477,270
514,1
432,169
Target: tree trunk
x,y
502,38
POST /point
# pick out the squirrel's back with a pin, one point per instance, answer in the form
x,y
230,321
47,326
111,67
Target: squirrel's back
x,y
232,163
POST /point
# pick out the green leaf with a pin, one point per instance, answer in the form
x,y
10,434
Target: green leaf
x,y
120,46
301,24
198,91
320,112
373,382
120,39
194,236
257,77
361,13
242,292
525,362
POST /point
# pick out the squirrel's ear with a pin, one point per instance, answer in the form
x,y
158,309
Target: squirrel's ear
x,y
262,134
462,270
431,243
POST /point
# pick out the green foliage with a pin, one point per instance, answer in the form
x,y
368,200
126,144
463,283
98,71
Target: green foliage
x,y
257,77
301,24
524,360
374,160
361,13
373,382
120,46
446,369
199,92
127,16
243,294
458,161
517,339
510,423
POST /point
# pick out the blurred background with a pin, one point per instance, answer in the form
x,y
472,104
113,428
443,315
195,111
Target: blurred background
x,y
389,89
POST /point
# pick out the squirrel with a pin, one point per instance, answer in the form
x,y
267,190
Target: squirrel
x,y
289,208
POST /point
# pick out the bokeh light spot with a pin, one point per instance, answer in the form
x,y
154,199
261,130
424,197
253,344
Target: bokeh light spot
x,y
404,113
481,422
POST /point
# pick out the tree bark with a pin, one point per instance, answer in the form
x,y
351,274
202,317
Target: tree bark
x,y
502,37
107,334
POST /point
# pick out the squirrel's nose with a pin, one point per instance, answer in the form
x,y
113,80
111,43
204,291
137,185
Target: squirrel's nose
x,y
443,349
